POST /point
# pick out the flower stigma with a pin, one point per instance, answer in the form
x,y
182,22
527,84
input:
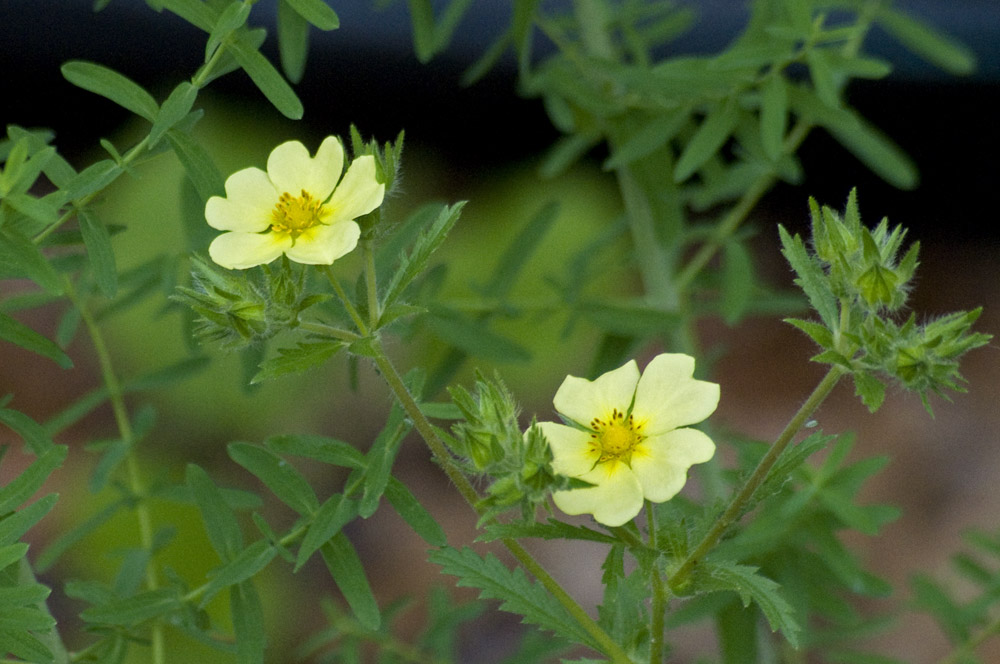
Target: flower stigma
x,y
294,214
615,437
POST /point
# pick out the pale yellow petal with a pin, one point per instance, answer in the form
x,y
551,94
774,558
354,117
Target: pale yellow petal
x,y
582,400
321,245
250,199
669,397
615,500
359,192
292,170
238,251
573,453
661,462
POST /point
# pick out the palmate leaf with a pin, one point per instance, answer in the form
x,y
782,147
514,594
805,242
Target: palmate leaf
x,y
517,593
751,586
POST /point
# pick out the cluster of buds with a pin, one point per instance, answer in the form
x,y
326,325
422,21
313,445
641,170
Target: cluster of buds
x,y
239,309
490,442
861,263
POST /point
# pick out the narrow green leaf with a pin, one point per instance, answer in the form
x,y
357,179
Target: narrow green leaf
x,y
629,318
710,136
99,251
71,537
280,477
317,12
26,618
413,264
248,623
23,595
647,140
737,282
473,337
332,515
266,77
293,41
564,153
380,458
323,449
519,251
11,553
822,77
95,177
30,480
244,565
198,165
197,13
233,17
116,87
518,594
554,529
34,435
175,108
302,357
935,47
774,116
21,335
414,514
422,18
131,611
44,211
19,251
220,522
21,644
349,575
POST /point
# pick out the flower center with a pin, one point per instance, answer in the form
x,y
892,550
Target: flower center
x,y
615,437
294,214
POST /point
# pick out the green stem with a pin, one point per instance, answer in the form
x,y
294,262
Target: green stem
x,y
658,608
745,495
654,265
348,306
607,644
374,309
137,486
328,331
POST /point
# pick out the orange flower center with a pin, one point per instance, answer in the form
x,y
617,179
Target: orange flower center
x,y
294,214
615,437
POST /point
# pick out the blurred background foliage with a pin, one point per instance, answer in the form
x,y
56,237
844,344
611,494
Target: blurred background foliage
x,y
483,143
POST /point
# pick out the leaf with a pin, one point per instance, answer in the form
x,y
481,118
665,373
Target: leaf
x,y
630,318
774,116
412,265
553,529
473,337
519,251
31,432
21,335
131,611
710,136
99,252
243,566
266,77
25,646
870,389
751,586
323,449
293,41
647,140
248,623
517,593
220,521
380,458
31,479
414,514
198,165
737,282
116,87
822,77
811,278
93,178
280,477
349,575
18,250
233,17
175,108
328,520
935,47
317,12
818,333
564,153
302,357
67,540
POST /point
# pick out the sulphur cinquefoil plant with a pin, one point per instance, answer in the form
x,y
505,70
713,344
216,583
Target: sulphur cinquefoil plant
x,y
305,260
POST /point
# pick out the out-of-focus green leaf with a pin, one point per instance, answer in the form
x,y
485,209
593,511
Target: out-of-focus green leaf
x,y
18,250
349,574
30,480
320,448
474,337
71,537
93,178
822,77
316,12
108,83
266,77
711,135
21,335
774,115
935,47
244,565
293,41
26,646
650,138
737,281
554,529
220,522
248,623
195,12
99,251
198,165
566,152
34,435
131,611
280,477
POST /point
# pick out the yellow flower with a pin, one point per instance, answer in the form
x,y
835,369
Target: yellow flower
x,y
296,208
630,441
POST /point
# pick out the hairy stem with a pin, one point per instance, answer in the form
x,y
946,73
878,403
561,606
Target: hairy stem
x,y
745,495
659,603
136,483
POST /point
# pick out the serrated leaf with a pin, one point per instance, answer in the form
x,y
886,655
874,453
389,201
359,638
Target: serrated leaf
x,y
870,389
302,357
99,252
220,522
413,264
710,136
818,333
110,84
751,586
316,12
198,165
811,278
131,611
414,514
328,520
266,77
935,47
280,477
243,566
517,593
349,574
